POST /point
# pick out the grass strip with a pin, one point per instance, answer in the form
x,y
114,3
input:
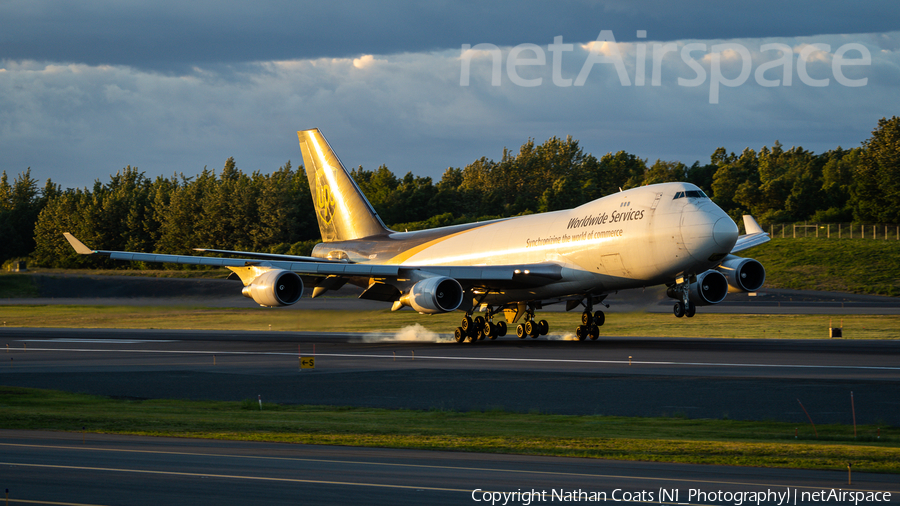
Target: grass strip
x,y
725,442
17,286
294,320
836,265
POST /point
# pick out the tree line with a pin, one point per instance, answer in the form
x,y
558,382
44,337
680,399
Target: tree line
x,y
274,212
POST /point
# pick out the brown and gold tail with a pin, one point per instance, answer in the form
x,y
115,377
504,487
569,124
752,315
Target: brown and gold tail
x,y
343,211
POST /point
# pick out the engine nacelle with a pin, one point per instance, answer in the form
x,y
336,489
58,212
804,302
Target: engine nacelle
x,y
435,295
711,287
276,287
743,274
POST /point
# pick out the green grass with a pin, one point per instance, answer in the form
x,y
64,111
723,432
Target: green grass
x,y
866,266
17,286
617,324
728,442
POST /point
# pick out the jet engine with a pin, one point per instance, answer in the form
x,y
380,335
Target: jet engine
x,y
743,274
711,287
275,287
435,295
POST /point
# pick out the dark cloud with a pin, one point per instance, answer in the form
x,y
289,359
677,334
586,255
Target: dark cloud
x,y
172,35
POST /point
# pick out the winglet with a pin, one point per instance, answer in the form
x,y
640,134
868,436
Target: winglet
x,y
79,246
751,226
754,236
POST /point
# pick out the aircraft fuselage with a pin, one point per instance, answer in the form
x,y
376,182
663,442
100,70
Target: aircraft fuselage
x,y
639,237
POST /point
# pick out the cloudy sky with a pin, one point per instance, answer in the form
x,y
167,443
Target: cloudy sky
x,y
168,86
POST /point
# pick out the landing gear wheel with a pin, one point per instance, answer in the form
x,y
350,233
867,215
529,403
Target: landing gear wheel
x,y
544,327
594,332
460,335
678,309
581,332
530,328
467,323
586,318
490,330
479,322
479,335
520,331
599,318
691,310
501,329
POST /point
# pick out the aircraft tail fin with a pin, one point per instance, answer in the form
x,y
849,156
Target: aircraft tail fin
x,y
343,211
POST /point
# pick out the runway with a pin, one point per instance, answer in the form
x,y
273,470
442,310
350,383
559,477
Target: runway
x,y
693,378
106,469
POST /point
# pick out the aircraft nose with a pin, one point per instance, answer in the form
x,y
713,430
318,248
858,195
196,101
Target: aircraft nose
x,y
725,232
708,234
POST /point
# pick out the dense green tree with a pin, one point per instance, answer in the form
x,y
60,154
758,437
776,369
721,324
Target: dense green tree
x,y
736,181
702,176
20,204
617,171
665,172
876,189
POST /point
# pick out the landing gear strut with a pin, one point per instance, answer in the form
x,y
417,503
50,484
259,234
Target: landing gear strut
x,y
684,307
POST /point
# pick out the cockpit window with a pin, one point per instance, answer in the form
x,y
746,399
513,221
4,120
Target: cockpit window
x,y
694,194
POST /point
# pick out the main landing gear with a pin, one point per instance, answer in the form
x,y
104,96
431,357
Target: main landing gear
x,y
478,328
590,325
532,328
590,321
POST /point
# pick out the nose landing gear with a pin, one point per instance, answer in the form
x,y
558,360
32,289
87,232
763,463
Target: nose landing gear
x,y
683,307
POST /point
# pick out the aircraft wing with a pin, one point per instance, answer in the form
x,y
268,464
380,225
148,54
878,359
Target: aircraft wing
x,y
754,237
264,256
468,276
318,268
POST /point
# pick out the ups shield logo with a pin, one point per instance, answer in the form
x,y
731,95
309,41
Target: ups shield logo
x,y
324,199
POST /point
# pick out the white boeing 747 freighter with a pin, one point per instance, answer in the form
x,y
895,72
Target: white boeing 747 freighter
x,y
664,234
